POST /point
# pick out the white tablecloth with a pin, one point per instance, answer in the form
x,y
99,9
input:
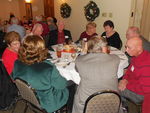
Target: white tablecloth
x,y
123,60
70,73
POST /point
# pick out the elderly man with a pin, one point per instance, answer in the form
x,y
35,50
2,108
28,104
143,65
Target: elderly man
x,y
51,24
59,36
134,32
38,19
135,84
96,72
15,27
37,30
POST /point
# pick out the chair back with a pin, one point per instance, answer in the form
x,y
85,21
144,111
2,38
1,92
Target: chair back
x,y
27,92
103,102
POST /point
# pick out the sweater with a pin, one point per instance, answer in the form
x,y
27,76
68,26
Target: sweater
x,y
138,77
9,57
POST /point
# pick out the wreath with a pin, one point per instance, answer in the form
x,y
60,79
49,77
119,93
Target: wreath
x,y
65,10
91,11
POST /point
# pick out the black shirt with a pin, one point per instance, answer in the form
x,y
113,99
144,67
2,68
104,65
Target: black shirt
x,y
114,40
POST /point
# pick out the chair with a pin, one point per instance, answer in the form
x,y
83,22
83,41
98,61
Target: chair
x,y
137,105
103,102
8,90
28,95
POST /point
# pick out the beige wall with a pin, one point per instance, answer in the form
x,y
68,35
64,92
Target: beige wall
x,y
22,8
37,7
120,10
9,6
18,8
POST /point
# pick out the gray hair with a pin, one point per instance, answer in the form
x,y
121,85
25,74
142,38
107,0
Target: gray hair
x,y
134,29
37,26
96,43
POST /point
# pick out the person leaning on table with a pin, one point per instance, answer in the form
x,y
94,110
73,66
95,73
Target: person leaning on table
x,y
98,71
41,74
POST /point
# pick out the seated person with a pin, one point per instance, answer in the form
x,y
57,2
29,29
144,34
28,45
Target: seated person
x,y
11,52
51,24
111,36
41,74
135,84
59,36
38,19
96,72
16,27
135,32
90,31
37,29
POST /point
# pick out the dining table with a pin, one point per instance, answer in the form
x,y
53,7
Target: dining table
x,y
66,65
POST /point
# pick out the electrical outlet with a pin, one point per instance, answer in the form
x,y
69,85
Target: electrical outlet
x,y
104,14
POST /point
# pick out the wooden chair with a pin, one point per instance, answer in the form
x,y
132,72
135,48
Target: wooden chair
x,y
103,102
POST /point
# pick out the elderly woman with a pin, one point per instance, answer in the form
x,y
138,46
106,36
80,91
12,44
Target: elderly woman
x,y
96,72
11,52
90,31
37,30
111,36
41,74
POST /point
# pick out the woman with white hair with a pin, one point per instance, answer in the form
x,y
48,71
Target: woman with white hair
x,y
37,30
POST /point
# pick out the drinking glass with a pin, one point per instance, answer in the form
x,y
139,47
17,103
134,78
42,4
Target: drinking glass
x,y
73,55
58,51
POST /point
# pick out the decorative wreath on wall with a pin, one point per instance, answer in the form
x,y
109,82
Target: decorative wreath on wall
x,y
91,11
65,10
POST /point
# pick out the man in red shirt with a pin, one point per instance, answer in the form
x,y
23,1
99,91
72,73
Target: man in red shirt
x,y
135,84
60,35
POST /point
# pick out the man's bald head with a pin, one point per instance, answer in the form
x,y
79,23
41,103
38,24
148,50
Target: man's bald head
x,y
132,32
134,46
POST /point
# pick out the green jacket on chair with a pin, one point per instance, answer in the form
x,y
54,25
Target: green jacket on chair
x,y
49,85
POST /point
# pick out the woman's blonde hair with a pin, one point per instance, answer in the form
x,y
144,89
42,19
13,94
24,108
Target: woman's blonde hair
x,y
93,24
32,50
95,44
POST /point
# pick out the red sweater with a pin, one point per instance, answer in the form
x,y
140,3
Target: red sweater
x,y
138,76
9,58
85,35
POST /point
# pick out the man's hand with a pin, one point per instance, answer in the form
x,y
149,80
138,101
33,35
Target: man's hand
x,y
122,84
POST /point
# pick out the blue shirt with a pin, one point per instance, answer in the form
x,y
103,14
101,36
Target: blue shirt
x,y
17,28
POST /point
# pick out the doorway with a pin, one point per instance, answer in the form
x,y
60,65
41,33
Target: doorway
x,y
136,13
49,8
145,24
